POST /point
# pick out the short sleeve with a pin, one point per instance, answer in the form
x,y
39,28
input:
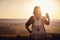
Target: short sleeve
x,y
30,21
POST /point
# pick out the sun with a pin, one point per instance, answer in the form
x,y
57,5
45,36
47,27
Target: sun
x,y
46,7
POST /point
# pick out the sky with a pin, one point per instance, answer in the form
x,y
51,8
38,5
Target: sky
x,y
23,9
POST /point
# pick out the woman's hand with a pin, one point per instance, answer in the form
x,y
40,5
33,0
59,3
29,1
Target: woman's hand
x,y
28,29
46,19
47,16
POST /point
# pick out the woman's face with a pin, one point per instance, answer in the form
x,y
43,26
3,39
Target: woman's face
x,y
37,13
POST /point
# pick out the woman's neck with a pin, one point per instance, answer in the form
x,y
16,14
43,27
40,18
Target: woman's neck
x,y
37,18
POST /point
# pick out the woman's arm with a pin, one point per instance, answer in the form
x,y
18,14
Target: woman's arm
x,y
28,23
47,19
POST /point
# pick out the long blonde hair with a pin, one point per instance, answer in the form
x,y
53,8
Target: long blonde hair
x,y
35,8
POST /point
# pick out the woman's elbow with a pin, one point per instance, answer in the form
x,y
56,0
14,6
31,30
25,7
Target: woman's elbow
x,y
47,23
26,26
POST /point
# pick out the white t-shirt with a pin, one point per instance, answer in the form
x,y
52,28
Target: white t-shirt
x,y
37,28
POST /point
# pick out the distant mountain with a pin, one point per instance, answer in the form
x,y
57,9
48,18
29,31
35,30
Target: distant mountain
x,y
22,20
13,20
11,26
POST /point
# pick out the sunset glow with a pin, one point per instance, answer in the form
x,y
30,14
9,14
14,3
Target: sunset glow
x,y
21,9
46,7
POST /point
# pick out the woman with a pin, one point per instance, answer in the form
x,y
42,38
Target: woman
x,y
37,21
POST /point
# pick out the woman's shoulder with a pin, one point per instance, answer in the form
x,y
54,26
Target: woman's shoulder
x,y
42,18
32,17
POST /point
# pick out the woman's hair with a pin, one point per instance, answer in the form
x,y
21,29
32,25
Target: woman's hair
x,y
35,8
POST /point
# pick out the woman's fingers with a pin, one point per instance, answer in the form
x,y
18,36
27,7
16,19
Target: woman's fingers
x,y
47,16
